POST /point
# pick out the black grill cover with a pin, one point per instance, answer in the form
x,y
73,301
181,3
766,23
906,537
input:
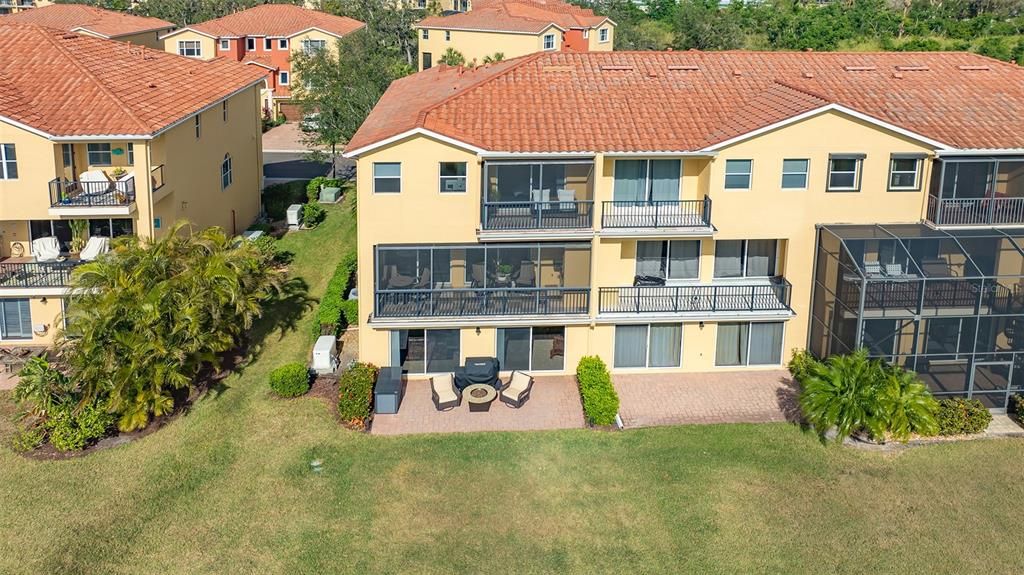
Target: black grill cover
x,y
477,370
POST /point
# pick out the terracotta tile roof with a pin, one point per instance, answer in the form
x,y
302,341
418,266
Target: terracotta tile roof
x,y
516,16
687,101
276,20
74,17
67,84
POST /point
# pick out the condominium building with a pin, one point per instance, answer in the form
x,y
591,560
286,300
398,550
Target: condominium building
x,y
486,30
265,37
96,22
698,212
112,139
18,6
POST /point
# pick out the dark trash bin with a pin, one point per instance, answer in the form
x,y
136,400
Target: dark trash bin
x,y
389,390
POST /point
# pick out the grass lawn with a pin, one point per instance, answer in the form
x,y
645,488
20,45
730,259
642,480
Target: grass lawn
x,y
228,489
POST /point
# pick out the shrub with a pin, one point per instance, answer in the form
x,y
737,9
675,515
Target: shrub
x,y
73,427
312,214
355,394
267,246
908,407
1017,404
334,308
313,188
350,311
600,401
958,416
290,380
278,197
28,439
801,364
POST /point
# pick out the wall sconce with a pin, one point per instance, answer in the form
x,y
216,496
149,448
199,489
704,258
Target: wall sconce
x,y
42,301
478,331
701,325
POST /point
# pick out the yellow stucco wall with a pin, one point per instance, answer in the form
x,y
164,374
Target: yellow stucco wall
x,y
422,215
208,45
147,39
475,45
295,42
594,42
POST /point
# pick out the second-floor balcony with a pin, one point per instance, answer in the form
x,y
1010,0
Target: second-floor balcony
x,y
541,197
698,300
482,302
977,192
25,274
651,215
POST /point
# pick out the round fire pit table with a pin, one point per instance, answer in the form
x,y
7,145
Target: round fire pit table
x,y
479,396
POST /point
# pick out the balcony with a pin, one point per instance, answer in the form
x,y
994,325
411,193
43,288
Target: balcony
x,y
679,217
520,216
31,275
540,199
977,192
482,302
698,300
95,196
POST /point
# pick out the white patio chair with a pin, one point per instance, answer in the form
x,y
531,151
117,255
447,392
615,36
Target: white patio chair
x,y
872,268
94,182
567,200
46,249
95,247
518,390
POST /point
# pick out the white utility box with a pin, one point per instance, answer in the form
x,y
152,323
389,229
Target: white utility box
x,y
293,215
325,355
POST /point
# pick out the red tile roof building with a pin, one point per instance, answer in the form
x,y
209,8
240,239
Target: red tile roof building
x,y
95,21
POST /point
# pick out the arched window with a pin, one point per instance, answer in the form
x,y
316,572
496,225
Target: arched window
x,y
225,172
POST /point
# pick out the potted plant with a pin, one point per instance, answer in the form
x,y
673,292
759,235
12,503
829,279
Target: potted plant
x,y
79,230
118,172
504,272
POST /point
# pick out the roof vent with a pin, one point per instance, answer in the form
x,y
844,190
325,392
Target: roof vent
x,y
914,68
562,68
737,72
684,67
808,75
612,68
974,68
897,75
859,68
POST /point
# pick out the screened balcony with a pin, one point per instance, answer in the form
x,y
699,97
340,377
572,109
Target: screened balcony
x,y
482,280
946,304
773,296
977,192
521,196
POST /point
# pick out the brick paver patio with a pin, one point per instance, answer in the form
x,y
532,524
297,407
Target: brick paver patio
x,y
553,404
719,397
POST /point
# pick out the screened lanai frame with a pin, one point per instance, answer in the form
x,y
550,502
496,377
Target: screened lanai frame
x,y
943,303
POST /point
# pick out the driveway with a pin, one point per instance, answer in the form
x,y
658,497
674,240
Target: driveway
x,y
279,167
284,138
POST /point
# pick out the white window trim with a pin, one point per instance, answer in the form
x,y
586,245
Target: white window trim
x,y
648,189
225,44
182,48
531,369
858,164
375,177
750,175
603,35
586,33
426,336
743,263
647,347
447,35
229,172
668,259
426,34
250,44
748,365
441,178
282,43
806,173
3,159
544,42
89,153
918,162
268,44
130,150
283,78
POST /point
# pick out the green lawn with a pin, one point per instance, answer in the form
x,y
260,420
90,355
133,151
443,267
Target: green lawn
x,y
228,489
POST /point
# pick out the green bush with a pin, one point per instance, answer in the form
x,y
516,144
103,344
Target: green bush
x,y
600,401
958,416
290,380
313,188
267,246
334,308
72,427
1017,404
801,364
28,439
355,394
312,214
350,311
278,197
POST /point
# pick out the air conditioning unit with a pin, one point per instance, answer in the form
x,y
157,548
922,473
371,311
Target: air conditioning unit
x,y
325,355
293,215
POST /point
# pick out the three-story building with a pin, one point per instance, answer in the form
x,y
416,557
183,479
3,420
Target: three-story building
x,y
697,212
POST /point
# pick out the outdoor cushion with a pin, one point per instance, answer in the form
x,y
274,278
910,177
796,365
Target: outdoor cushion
x,y
46,249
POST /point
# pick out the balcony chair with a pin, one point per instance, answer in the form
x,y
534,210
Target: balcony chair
x,y
424,282
444,393
517,391
478,275
894,270
526,276
398,281
46,249
95,247
872,268
566,200
95,182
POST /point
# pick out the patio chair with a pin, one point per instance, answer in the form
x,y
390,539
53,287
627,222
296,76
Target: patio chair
x,y
95,247
442,389
517,391
526,276
872,268
566,200
894,270
424,282
477,274
95,182
46,249
398,281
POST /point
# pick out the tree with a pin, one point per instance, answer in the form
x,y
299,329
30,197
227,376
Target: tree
x,y
341,86
841,393
452,57
145,318
700,24
644,35
389,24
492,58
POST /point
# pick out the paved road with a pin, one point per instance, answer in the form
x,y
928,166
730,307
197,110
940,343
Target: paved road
x,y
284,166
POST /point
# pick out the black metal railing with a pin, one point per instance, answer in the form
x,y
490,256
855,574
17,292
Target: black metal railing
x,y
510,216
657,214
975,211
36,274
73,194
156,176
929,294
485,302
773,296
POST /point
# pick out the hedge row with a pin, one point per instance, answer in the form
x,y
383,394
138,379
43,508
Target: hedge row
x,y
959,416
355,393
336,311
600,401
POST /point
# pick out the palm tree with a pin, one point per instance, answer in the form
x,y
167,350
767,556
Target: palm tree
x,y
908,405
841,393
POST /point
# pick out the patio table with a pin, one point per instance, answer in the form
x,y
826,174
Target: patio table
x,y
479,396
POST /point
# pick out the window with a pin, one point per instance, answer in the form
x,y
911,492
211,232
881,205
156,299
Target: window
x,y
670,259
602,35
67,153
794,174
9,162
844,173
904,172
225,45
15,318
99,154
387,177
282,78
131,154
224,110
426,34
586,33
453,177
737,174
531,349
111,227
250,44
421,4
199,126
282,43
749,344
655,345
313,46
268,44
225,172
549,41
426,350
447,36
647,180
745,258
428,61
190,48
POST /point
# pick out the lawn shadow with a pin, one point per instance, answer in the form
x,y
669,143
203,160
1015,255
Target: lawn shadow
x,y
787,397
281,315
